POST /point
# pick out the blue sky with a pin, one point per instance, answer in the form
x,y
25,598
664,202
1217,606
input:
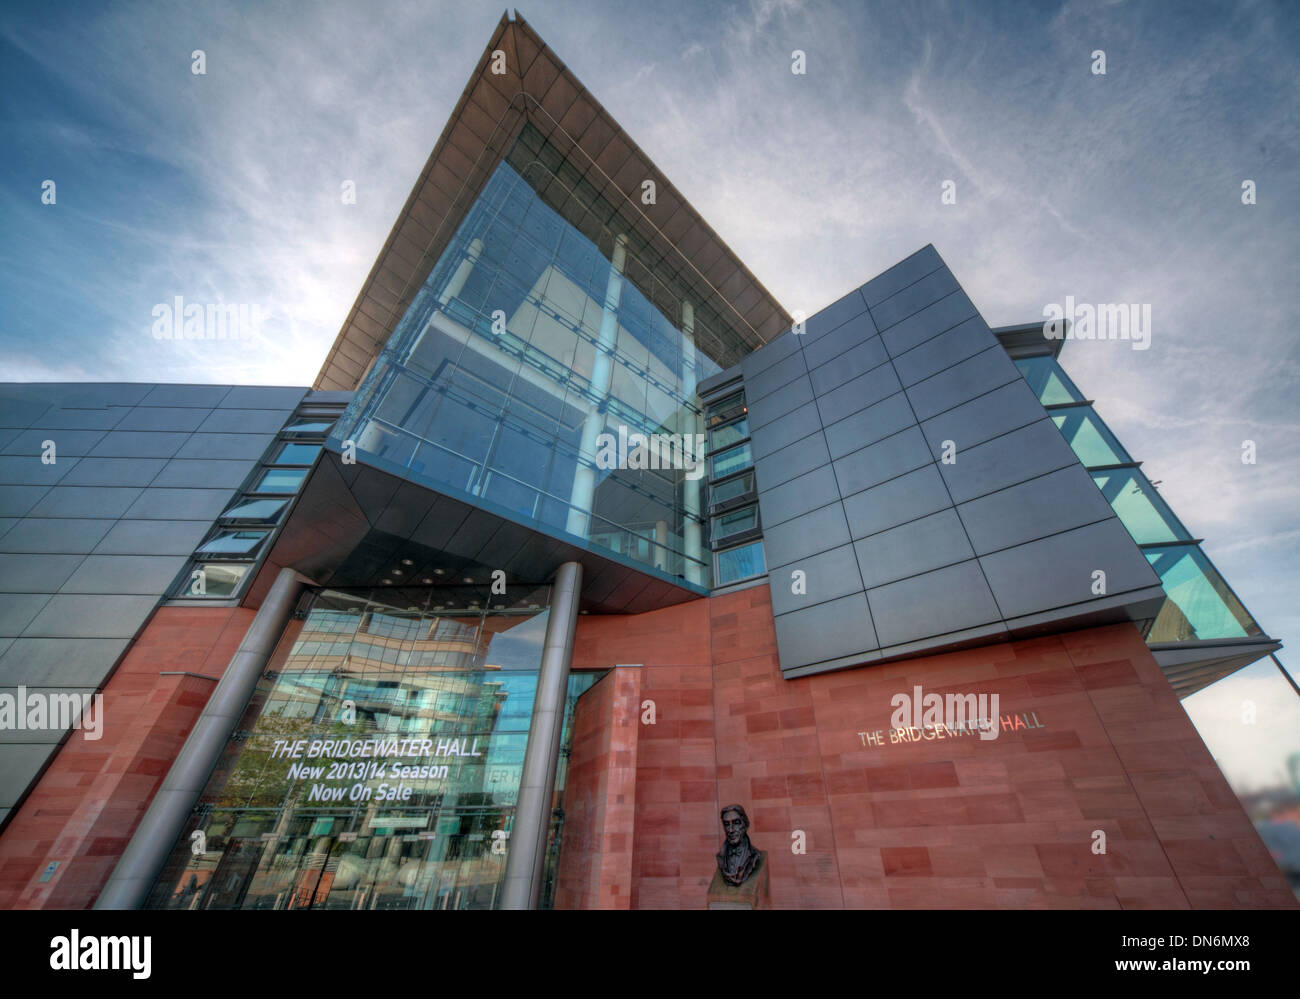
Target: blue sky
x,y
1117,188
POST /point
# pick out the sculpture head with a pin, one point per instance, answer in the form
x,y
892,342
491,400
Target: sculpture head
x,y
735,823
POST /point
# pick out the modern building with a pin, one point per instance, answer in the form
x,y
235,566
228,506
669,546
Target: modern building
x,y
579,539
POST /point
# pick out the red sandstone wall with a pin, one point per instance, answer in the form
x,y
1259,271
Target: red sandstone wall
x,y
1005,823
86,805
600,797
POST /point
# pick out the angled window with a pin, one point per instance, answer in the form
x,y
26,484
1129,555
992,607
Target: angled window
x,y
280,480
725,436
731,460
1091,439
296,454
214,579
1139,507
736,522
727,409
1049,382
234,542
257,511
1200,604
739,563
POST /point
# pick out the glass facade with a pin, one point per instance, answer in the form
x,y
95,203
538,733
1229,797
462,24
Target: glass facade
x,y
544,334
1199,604
378,763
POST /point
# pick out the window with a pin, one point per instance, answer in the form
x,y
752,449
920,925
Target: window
x,y
1139,507
1092,441
1049,382
1200,605
280,480
297,454
739,563
214,579
731,460
261,511
727,409
727,524
722,492
233,542
732,433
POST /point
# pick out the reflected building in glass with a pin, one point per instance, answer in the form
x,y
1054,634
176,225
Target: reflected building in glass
x,y
580,537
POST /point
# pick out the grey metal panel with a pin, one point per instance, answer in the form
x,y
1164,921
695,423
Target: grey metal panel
x,y
17,611
126,574
6,523
913,548
855,331
903,273
1015,457
853,362
247,446
880,461
84,616
943,351
833,316
98,394
56,536
35,573
263,397
179,504
810,534
214,474
16,501
769,407
1056,572
138,444
67,443
771,379
115,471
869,425
929,322
786,430
197,396
791,461
950,599
861,392
798,496
83,419
836,628
785,344
163,418
7,437
244,421
827,576
19,765
1047,505
31,471
152,537
962,382
897,501
1010,407
95,502
915,297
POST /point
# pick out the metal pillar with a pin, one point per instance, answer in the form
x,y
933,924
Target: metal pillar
x,y
526,858
692,541
129,885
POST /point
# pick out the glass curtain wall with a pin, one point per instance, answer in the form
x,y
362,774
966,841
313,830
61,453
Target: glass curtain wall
x,y
547,369
378,763
1200,603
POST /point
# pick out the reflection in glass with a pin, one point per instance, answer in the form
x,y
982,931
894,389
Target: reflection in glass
x,y
1139,507
280,480
233,542
419,719
1048,380
218,579
1200,605
740,563
1091,439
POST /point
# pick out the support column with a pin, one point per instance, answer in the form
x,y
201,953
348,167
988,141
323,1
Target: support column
x,y
170,810
692,428
462,272
526,859
583,496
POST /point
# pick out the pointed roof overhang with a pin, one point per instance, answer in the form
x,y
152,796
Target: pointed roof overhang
x,y
538,89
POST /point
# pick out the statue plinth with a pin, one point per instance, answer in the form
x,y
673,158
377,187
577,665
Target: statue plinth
x,y
752,893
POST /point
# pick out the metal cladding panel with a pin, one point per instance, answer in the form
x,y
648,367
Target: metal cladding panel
x,y
94,537
926,458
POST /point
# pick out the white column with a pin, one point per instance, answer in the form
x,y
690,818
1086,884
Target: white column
x,y
462,273
584,479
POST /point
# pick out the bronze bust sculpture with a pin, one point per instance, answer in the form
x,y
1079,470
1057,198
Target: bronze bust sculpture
x,y
737,860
